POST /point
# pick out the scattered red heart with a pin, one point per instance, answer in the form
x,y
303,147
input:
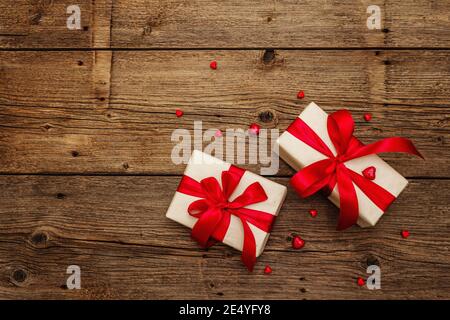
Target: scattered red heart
x,y
369,172
297,242
213,65
179,113
254,128
313,212
267,270
300,94
218,134
368,117
361,282
405,234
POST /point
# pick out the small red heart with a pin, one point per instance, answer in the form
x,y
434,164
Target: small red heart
x,y
361,282
254,128
297,242
313,212
405,234
179,113
267,270
213,65
300,94
368,117
369,172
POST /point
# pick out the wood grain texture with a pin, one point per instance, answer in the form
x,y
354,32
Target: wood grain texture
x,y
223,24
113,112
286,23
115,229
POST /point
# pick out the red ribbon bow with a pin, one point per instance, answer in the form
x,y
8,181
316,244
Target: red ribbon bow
x,y
324,174
214,210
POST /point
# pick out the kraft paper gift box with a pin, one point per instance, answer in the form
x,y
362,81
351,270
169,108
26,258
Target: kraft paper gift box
x,y
299,155
201,166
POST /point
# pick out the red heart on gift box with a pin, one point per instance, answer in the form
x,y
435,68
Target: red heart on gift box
x,y
297,242
361,282
405,234
369,172
179,113
267,270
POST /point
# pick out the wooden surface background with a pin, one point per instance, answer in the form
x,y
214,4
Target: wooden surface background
x,y
86,118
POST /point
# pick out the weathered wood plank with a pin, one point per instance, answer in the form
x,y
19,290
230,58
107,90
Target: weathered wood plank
x,y
78,112
43,24
114,228
223,24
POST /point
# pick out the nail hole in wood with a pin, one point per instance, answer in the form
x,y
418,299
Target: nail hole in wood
x,y
60,195
75,154
269,55
386,30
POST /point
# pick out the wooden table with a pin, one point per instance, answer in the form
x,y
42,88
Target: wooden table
x,y
86,118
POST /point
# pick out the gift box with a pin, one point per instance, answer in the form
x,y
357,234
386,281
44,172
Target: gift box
x,y
222,202
328,157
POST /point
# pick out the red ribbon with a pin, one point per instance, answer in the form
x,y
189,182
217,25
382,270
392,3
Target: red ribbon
x,y
214,210
325,174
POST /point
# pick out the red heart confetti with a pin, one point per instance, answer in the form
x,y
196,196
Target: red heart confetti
x,y
361,282
267,270
218,134
179,113
297,242
213,65
300,94
405,234
368,117
369,172
313,212
254,128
